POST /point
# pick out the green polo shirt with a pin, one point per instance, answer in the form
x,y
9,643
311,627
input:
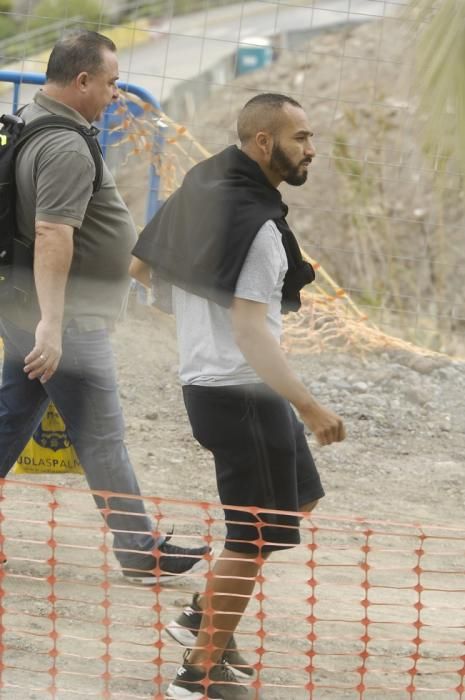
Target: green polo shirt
x,y
54,176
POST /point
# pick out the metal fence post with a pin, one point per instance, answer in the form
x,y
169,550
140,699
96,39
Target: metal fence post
x,y
153,196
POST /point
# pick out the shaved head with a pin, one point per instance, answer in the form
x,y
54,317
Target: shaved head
x,y
274,131
262,113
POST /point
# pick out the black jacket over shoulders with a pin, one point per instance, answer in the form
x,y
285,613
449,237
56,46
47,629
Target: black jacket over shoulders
x,y
200,237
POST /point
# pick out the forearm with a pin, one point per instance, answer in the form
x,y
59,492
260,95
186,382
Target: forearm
x,y
263,353
140,271
53,253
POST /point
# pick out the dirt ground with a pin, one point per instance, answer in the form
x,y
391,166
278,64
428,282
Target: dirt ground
x,y
375,590
371,605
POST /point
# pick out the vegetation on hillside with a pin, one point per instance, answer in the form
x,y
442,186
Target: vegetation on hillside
x,y
48,14
440,77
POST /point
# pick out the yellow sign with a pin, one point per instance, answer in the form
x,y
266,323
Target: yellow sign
x,y
49,450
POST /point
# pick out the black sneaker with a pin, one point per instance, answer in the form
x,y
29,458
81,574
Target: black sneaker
x,y
189,684
186,628
172,562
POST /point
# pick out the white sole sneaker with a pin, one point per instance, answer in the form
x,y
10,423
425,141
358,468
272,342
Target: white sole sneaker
x,y
185,636
176,693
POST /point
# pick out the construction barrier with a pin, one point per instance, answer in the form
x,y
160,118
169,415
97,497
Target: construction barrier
x,y
361,609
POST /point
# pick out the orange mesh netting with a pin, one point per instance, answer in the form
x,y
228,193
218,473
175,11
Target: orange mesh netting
x,y
361,609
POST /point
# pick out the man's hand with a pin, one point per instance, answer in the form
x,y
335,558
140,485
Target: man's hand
x,y
324,424
262,352
44,358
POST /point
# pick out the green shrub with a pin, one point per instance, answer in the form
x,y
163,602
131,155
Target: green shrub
x,y
53,10
7,27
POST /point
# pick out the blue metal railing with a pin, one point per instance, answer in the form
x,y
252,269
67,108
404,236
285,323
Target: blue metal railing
x,y
153,197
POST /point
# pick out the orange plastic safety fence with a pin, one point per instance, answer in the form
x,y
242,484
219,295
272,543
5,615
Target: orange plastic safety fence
x,y
359,609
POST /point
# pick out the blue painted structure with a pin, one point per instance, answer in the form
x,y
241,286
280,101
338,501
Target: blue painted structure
x,y
110,120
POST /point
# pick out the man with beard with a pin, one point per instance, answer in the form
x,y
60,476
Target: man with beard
x,y
223,243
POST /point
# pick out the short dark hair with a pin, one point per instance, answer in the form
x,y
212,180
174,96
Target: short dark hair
x,y
77,52
261,112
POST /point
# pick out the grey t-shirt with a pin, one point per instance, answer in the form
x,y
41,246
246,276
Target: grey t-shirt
x,y
55,173
208,353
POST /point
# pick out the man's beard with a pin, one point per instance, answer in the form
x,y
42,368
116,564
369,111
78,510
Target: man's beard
x,y
283,165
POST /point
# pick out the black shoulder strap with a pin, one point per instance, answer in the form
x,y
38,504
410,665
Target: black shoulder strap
x,y
56,122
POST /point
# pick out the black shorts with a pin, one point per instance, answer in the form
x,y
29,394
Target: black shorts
x,y
262,460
